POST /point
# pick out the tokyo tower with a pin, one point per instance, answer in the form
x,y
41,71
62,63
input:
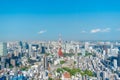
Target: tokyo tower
x,y
60,54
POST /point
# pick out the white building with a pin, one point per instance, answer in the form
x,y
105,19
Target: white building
x,y
115,64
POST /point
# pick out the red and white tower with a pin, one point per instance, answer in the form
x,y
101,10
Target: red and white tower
x,y
60,54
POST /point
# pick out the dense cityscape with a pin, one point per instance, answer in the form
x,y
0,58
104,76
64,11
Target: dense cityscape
x,y
59,40
60,60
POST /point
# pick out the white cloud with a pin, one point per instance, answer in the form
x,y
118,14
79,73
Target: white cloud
x,y
95,30
100,30
42,31
106,30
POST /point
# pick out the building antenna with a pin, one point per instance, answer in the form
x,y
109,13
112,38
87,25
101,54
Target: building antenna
x,y
60,39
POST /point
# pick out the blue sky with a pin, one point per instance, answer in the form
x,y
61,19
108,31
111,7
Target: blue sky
x,y
46,19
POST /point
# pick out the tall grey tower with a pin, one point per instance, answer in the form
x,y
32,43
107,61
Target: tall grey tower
x,y
3,49
118,59
76,57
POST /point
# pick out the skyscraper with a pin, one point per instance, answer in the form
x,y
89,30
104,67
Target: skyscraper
x,y
21,44
86,45
30,49
118,62
118,58
46,65
43,49
115,64
3,49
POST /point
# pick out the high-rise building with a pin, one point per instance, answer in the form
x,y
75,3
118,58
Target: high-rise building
x,y
76,57
43,50
86,45
3,49
115,64
21,44
118,59
118,62
45,62
30,49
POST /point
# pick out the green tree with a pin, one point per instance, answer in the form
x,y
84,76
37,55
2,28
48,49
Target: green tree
x,y
59,70
50,78
24,68
62,62
79,54
88,72
10,66
47,54
68,54
76,70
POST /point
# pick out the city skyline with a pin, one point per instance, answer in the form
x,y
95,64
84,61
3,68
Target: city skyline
x,y
45,20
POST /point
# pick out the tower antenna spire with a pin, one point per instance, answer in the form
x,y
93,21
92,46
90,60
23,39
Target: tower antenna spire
x,y
60,38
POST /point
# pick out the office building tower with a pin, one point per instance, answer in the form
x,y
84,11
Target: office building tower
x,y
43,50
76,57
46,65
105,49
21,44
86,45
118,58
2,62
30,50
25,45
118,62
111,47
19,49
115,63
3,49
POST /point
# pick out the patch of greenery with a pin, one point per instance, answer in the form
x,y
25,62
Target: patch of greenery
x,y
88,54
10,66
79,54
29,59
72,71
66,69
59,70
52,55
47,54
24,68
88,72
68,54
74,62
62,62
75,71
50,78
